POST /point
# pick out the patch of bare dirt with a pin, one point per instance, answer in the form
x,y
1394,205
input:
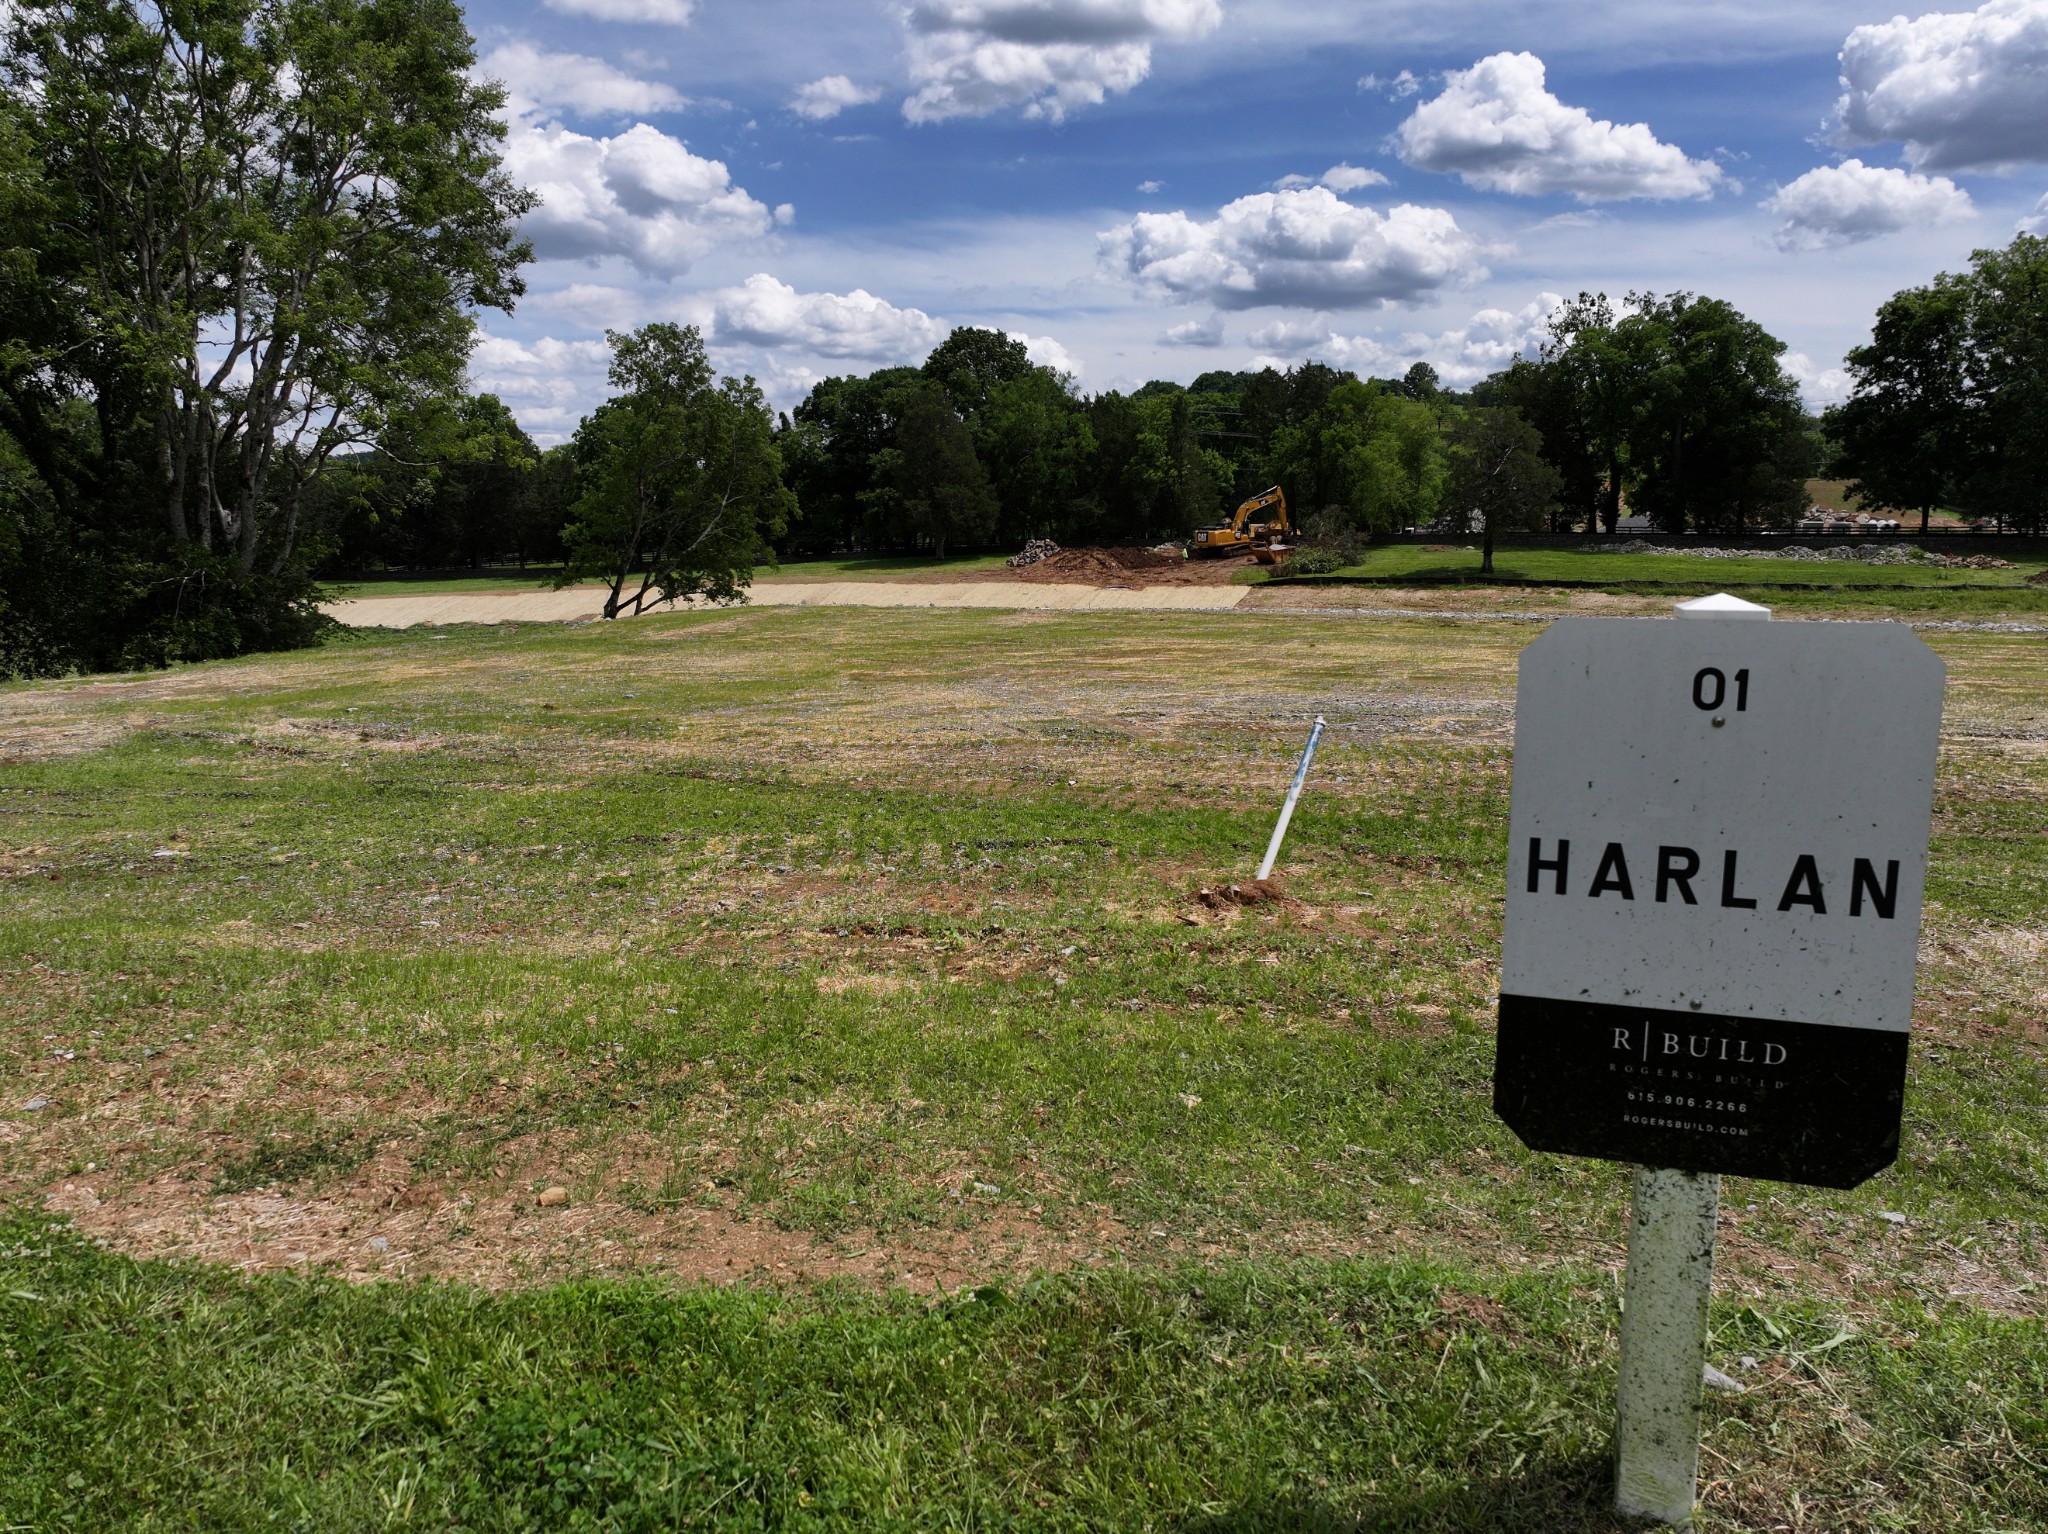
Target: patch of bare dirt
x,y
1472,1312
865,985
376,1228
1255,892
376,735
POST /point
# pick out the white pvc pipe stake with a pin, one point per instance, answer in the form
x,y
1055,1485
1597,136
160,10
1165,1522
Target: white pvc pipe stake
x,y
1293,793
1664,1343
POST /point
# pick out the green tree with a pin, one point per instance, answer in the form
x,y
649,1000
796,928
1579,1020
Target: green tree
x,y
829,448
1369,454
1950,404
1498,476
2007,376
1717,438
679,478
1033,438
971,363
929,480
454,485
1903,435
545,496
269,223
1548,396
1421,384
1177,482
1596,407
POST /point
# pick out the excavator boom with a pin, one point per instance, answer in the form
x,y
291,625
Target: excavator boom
x,y
1241,533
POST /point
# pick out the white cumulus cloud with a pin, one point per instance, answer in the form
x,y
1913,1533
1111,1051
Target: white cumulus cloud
x,y
639,194
535,80
1963,90
1338,178
2035,222
1349,178
828,97
1817,384
1303,248
592,305
548,383
969,58
1207,332
766,314
1489,341
662,13
1046,353
1497,127
1838,204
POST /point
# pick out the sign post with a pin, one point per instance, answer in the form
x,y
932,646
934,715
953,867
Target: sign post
x,y
1717,851
1664,1342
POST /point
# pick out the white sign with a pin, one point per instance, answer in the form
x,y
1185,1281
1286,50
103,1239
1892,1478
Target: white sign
x,y
1717,851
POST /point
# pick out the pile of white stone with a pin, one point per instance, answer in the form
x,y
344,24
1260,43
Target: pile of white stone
x,y
1865,553
1034,551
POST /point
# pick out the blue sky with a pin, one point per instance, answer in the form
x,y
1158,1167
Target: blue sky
x,y
1154,188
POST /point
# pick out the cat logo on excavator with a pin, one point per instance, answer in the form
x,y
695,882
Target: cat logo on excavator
x,y
1241,534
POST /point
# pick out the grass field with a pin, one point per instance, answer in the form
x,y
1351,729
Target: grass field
x,y
930,1156
1805,587
1453,562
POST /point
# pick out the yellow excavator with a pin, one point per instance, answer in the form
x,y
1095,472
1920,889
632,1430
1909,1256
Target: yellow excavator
x,y
1241,534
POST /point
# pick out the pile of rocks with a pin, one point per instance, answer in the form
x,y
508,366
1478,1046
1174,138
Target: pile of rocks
x,y
1969,562
1034,551
1864,553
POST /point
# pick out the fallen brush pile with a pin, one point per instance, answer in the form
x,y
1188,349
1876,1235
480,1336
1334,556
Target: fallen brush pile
x,y
1863,553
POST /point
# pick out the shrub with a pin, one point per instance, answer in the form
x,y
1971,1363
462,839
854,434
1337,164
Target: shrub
x,y
1313,561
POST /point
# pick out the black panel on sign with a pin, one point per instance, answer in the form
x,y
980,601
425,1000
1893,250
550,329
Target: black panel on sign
x,y
1701,1092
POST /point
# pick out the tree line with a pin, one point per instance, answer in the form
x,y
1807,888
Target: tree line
x,y
243,247
1678,404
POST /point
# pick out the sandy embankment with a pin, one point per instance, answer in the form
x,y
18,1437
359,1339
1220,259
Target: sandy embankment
x,y
586,602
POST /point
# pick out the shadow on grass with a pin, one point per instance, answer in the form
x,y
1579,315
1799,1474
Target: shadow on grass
x,y
1574,1496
